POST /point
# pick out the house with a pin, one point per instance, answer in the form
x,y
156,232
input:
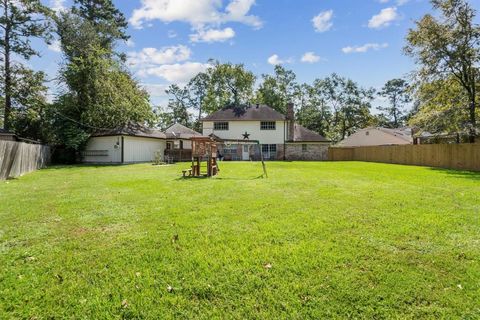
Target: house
x,y
178,137
244,131
179,144
7,135
129,144
377,136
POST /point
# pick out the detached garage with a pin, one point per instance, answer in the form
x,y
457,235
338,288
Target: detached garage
x,y
130,144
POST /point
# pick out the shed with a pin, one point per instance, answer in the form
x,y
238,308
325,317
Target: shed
x,y
129,144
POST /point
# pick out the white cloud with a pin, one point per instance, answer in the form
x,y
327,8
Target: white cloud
x,y
310,57
323,21
57,5
130,43
212,35
177,73
198,13
275,59
151,56
365,48
384,18
55,46
155,90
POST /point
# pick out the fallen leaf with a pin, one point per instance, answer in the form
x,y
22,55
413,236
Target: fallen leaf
x,y
125,304
138,274
169,288
268,266
460,286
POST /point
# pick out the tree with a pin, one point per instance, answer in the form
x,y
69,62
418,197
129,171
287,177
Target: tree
x,y
229,84
101,93
439,108
278,90
179,104
349,103
108,22
313,112
20,21
198,89
397,93
29,119
449,46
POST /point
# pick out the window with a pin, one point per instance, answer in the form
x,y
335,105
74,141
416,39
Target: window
x,y
220,126
267,125
304,148
181,144
269,151
232,149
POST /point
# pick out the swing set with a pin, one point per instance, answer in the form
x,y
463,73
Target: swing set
x,y
204,150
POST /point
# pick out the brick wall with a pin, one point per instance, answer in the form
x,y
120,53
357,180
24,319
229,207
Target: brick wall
x,y
313,152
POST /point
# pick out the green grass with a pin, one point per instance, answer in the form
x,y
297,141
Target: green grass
x,y
315,240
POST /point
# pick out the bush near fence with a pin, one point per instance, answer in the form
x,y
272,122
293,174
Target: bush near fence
x,y
18,158
450,156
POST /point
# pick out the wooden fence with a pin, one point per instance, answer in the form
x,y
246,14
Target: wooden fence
x,y
18,158
450,156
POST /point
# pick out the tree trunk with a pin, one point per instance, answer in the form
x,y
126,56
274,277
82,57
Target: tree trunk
x,y
8,75
473,121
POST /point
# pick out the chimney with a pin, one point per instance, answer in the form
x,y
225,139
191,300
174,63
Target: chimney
x,y
290,122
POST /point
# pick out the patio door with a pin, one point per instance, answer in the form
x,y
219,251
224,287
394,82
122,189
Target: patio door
x,y
245,152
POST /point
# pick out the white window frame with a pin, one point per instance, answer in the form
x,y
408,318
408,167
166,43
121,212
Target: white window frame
x,y
268,125
221,126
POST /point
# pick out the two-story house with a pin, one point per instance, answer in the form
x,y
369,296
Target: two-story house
x,y
237,129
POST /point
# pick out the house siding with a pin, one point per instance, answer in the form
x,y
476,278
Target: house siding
x,y
136,149
238,128
96,144
139,149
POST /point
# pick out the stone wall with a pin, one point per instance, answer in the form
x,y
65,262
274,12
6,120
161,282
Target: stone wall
x,y
313,152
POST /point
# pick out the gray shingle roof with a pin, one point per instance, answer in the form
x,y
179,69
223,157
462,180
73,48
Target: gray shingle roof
x,y
134,130
246,113
180,131
302,134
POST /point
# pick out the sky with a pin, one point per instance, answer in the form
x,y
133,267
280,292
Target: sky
x,y
172,40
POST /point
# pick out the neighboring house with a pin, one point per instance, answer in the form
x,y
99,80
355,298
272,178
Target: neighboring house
x,y
377,136
179,144
178,137
238,128
132,143
7,136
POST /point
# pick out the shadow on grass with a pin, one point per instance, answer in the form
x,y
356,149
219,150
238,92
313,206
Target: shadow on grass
x,y
88,165
218,178
473,175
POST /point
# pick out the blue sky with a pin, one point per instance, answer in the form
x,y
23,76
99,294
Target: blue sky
x,y
171,40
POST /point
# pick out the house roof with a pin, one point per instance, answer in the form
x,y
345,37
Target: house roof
x,y
402,133
378,136
178,131
302,134
246,113
134,130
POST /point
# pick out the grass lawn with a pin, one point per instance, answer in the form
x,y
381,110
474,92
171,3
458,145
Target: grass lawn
x,y
315,240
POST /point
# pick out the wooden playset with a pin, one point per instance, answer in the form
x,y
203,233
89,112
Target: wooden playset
x,y
204,150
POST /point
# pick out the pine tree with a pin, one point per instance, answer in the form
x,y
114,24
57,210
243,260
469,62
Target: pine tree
x,y
20,21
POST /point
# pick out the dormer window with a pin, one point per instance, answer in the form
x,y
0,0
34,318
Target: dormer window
x,y
220,126
267,125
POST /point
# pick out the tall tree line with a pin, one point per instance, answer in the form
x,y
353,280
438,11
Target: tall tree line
x,y
99,92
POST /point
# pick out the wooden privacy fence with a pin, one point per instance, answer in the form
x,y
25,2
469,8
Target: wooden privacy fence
x,y
18,158
450,156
